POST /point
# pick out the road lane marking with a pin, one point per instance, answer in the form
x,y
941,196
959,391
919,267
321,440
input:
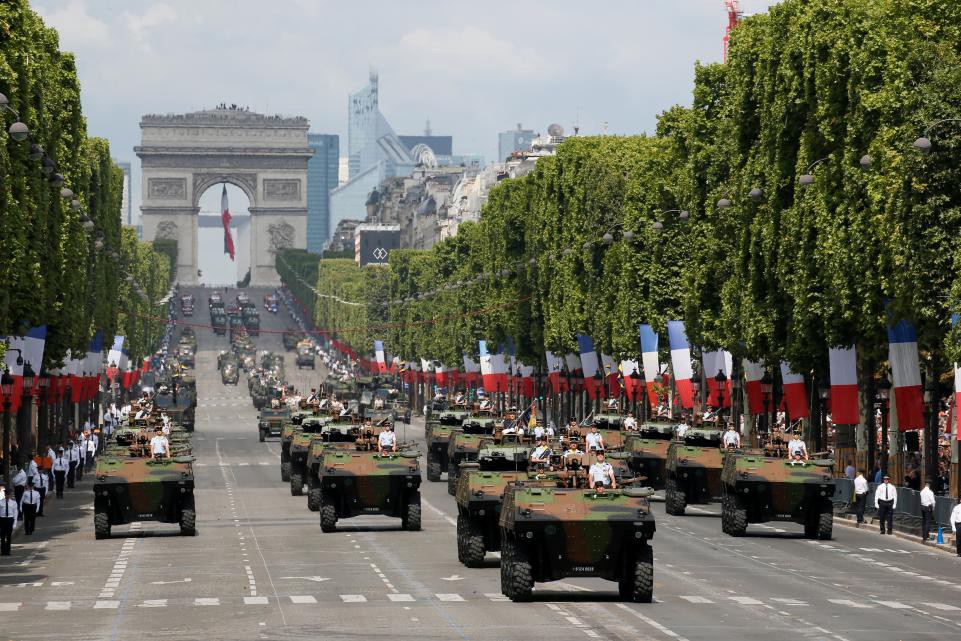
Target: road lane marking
x,y
696,599
206,601
106,605
896,605
848,603
944,607
304,598
406,598
255,600
651,622
58,605
353,598
153,603
449,598
10,607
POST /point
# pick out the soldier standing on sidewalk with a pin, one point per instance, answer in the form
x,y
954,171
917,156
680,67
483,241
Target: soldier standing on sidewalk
x,y
885,500
73,457
60,466
927,510
28,507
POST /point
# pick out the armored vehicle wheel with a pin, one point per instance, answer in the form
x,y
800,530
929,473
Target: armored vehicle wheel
x,y
188,522
674,499
101,525
285,471
452,480
263,436
328,516
506,550
724,514
296,485
411,520
736,519
826,524
474,550
433,470
520,581
313,499
638,582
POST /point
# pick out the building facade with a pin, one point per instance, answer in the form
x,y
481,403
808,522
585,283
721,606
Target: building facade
x,y
510,141
322,178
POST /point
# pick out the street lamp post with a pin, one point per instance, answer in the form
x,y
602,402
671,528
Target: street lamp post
x,y
884,394
821,437
43,411
720,380
767,385
6,386
735,397
26,414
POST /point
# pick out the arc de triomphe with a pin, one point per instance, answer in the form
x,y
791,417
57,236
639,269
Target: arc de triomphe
x,y
182,155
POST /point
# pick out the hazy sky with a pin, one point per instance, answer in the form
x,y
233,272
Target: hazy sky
x,y
473,68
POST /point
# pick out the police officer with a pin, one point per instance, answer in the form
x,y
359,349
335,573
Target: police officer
x,y
81,453
19,485
29,505
60,466
40,483
8,520
601,473
73,458
885,500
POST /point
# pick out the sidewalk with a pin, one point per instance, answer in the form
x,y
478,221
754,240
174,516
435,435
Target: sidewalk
x,y
871,525
60,516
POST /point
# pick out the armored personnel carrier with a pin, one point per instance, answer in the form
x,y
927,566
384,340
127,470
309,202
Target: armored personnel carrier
x,y
310,428
305,355
291,339
230,372
438,431
480,492
357,482
271,421
551,533
340,435
693,470
129,486
648,449
757,489
464,444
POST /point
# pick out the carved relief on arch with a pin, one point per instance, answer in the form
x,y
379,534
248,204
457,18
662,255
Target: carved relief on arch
x,y
167,230
282,236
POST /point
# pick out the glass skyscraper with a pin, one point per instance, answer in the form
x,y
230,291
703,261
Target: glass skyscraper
x,y
321,180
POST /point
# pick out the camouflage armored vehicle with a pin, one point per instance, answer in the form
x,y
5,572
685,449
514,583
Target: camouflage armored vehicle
x,y
180,401
694,464
310,428
230,372
648,449
480,492
464,444
610,426
757,489
305,355
340,435
438,432
140,489
548,534
355,483
290,340
271,422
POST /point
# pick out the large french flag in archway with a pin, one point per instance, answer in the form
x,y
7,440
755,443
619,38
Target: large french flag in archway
x,y
906,372
225,220
681,362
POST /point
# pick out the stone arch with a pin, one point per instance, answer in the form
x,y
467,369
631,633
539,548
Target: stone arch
x,y
184,155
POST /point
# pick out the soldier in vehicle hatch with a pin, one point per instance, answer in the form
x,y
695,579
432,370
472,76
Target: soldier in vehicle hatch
x,y
601,474
541,455
387,441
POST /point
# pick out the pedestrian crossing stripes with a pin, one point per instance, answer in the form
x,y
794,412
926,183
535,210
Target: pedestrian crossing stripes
x,y
446,598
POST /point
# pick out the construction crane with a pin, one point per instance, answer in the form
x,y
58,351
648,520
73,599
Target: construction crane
x,y
734,15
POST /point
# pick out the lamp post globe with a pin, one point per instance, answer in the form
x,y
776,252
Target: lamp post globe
x,y
608,238
723,203
806,181
19,131
756,194
866,161
923,144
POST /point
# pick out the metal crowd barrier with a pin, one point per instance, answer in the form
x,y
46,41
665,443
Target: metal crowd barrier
x,y
908,510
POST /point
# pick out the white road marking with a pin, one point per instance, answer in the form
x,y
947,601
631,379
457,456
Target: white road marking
x,y
106,605
206,601
353,598
406,598
449,597
154,603
499,597
255,600
696,599
306,598
745,600
10,607
944,607
849,603
651,622
440,513
896,605
57,605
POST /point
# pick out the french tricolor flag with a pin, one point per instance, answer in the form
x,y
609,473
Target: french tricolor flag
x,y
589,364
753,373
440,374
649,360
486,368
795,393
527,380
554,365
906,372
714,362
681,362
379,356
845,407
631,387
